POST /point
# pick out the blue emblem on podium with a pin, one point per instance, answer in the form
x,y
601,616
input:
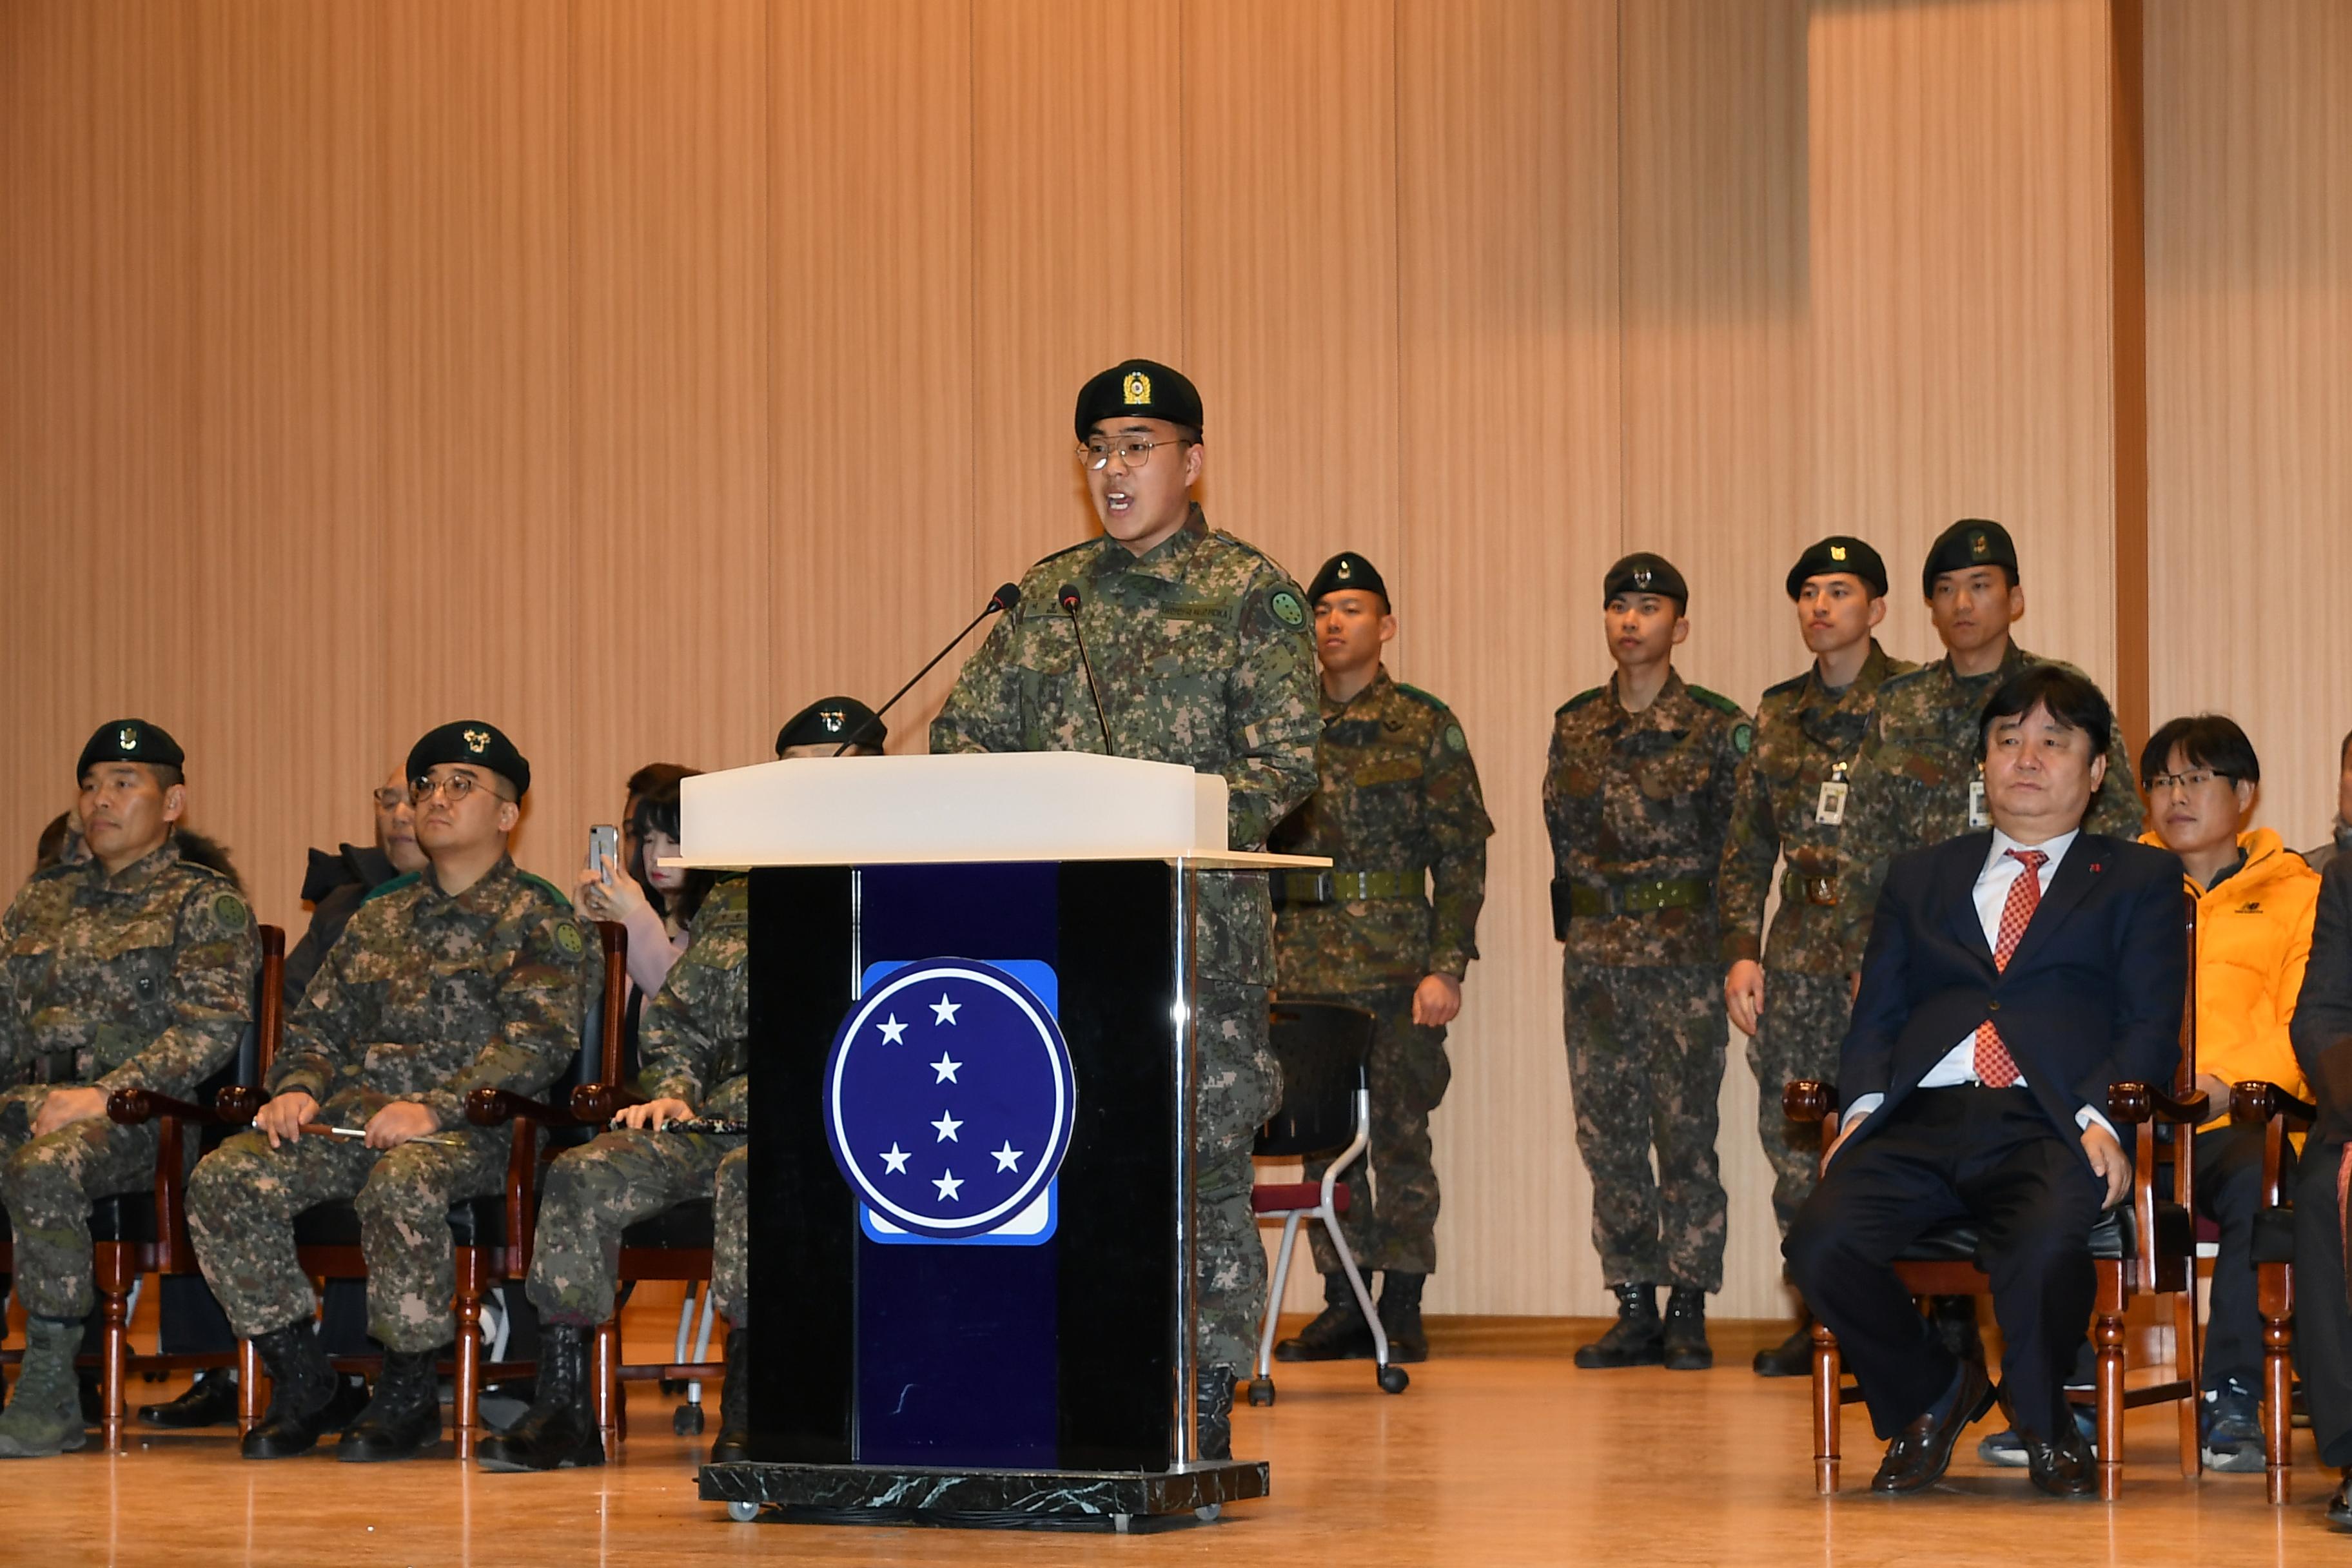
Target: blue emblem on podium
x,y
950,1102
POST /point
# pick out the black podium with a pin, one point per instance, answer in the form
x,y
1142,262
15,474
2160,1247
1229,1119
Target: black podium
x,y
970,1227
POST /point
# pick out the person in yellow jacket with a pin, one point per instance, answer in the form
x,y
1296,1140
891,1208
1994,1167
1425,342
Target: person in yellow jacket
x,y
2255,899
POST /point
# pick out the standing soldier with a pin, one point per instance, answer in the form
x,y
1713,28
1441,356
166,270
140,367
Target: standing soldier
x,y
1792,801
131,969
1637,795
1200,649
696,1064
467,974
1401,817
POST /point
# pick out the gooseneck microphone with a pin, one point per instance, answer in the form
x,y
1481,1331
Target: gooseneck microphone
x,y
1007,594
1068,595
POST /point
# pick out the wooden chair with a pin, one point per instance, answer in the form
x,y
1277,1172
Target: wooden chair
x,y
2145,1247
2278,1114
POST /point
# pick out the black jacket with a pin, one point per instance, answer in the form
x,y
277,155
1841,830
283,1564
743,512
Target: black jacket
x,y
333,887
2322,1029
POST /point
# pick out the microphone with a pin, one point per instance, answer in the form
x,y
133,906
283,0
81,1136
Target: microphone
x,y
1068,595
1007,594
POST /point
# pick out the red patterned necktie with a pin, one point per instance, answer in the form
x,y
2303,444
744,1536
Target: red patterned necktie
x,y
1996,1068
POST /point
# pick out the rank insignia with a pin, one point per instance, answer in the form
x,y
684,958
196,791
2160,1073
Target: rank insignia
x,y
1137,390
478,741
127,737
1837,552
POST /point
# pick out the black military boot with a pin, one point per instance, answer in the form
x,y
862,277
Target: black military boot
x,y
1793,1357
734,1444
302,1388
559,1431
209,1401
1686,1347
1337,1334
1212,1393
46,1416
1401,1316
1636,1338
404,1419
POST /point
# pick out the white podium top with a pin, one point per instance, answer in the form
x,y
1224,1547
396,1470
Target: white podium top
x,y
998,806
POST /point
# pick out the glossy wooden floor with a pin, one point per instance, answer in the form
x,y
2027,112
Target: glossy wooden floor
x,y
1501,1452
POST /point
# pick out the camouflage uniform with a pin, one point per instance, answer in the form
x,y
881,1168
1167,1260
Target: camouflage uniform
x,y
1203,657
1913,777
142,979
1807,737
1399,798
424,997
697,1049
1636,804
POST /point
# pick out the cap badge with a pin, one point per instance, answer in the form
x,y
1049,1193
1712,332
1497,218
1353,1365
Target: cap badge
x,y
1347,570
1137,389
831,718
478,741
127,737
1979,546
1837,552
1642,579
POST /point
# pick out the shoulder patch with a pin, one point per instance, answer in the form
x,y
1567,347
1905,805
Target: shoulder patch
x,y
1287,607
1579,700
568,939
1418,695
228,912
534,879
1457,742
1743,737
400,883
1714,699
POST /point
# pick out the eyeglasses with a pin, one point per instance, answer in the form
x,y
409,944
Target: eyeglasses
x,y
1096,455
2196,778
457,786
389,799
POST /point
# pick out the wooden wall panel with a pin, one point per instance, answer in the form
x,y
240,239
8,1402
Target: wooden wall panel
x,y
871,373
2250,381
1958,197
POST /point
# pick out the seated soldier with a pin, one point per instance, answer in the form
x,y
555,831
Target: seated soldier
x,y
2254,903
467,974
2322,1031
696,1031
131,969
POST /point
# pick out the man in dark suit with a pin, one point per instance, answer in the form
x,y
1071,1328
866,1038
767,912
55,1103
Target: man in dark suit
x,y
2010,977
2321,1032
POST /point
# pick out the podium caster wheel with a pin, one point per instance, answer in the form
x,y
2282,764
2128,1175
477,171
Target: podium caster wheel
x,y
1261,1390
1393,1379
742,1512
1209,1514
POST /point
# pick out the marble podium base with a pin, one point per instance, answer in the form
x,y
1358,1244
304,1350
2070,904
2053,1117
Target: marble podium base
x,y
907,1495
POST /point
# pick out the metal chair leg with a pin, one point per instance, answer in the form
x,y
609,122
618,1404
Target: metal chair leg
x,y
1274,1294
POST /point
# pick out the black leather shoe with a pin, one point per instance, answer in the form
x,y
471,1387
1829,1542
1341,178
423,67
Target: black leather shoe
x,y
734,1442
1921,1452
1793,1357
2339,1507
404,1419
1638,1337
2063,1469
1337,1334
559,1432
209,1401
301,1393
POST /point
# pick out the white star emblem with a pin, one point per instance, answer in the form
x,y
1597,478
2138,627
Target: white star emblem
x,y
946,1124
944,1011
945,1067
891,1030
896,1159
1009,1158
950,1185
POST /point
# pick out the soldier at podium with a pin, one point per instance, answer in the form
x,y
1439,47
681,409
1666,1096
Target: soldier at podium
x,y
1391,928
1172,642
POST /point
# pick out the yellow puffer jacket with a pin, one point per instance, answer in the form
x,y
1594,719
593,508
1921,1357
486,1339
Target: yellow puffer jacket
x,y
2253,938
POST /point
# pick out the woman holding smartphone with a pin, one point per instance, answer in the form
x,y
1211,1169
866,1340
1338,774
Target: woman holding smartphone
x,y
656,903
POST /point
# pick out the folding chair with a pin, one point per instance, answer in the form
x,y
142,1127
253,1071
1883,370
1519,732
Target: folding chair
x,y
2277,1112
1326,1111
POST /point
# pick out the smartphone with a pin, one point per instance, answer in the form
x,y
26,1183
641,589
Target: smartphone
x,y
604,850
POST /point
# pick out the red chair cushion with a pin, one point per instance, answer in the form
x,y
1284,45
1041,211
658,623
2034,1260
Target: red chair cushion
x,y
1282,1197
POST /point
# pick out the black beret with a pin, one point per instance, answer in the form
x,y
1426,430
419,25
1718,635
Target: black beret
x,y
1348,570
832,721
474,743
1971,542
1642,573
1139,389
129,741
1839,553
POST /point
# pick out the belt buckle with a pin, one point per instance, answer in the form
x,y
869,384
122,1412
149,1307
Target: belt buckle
x,y
1822,890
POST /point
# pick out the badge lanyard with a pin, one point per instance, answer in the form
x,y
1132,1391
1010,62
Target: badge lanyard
x,y
1829,809
1977,815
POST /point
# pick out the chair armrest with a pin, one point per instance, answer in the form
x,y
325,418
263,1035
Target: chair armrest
x,y
237,1105
2133,1103
1808,1100
497,1107
137,1107
2254,1103
595,1103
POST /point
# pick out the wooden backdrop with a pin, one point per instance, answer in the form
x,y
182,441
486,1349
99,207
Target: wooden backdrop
x,y
631,371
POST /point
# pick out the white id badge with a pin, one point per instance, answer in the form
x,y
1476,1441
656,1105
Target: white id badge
x,y
1977,815
1831,811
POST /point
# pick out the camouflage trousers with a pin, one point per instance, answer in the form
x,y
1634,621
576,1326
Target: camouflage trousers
x,y
596,1191
1802,1029
1645,1050
1238,1086
244,1194
48,1184
1392,1221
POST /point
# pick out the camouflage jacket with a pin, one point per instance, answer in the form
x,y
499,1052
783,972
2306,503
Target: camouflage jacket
x,y
145,977
1806,736
1916,772
1202,650
695,1035
1399,793
1642,797
426,997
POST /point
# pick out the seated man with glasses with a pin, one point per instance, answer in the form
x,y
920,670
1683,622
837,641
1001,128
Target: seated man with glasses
x,y
2255,899
336,885
469,973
